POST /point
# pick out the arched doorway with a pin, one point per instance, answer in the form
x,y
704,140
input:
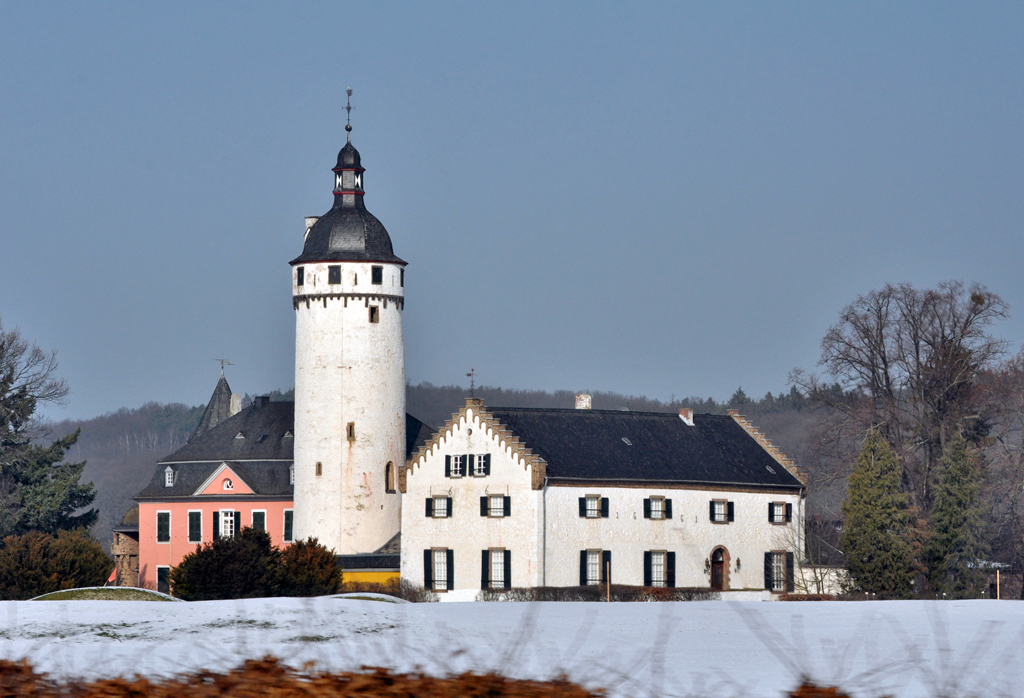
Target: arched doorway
x,y
720,569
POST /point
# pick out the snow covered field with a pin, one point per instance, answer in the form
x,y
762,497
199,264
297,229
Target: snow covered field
x,y
719,649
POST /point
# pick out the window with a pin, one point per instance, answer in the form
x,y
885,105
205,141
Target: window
x,y
780,512
300,276
374,314
228,485
291,475
778,571
439,507
401,278
595,566
259,521
499,506
376,275
389,478
456,466
334,274
657,508
288,519
722,511
350,431
659,568
438,569
594,507
227,524
163,527
319,469
195,527
482,465
169,477
496,569
163,575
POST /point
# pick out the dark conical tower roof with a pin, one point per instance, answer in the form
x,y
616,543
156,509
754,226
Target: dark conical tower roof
x,y
348,232
217,410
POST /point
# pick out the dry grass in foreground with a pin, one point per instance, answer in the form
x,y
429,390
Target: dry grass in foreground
x,y
268,677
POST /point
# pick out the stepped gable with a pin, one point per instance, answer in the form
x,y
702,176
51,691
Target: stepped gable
x,y
217,409
262,431
616,446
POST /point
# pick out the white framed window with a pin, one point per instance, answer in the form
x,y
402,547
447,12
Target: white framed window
x,y
259,519
593,507
291,475
440,569
163,527
227,523
657,507
440,507
778,571
169,477
455,466
657,569
495,506
779,512
497,568
195,526
289,518
481,464
593,567
228,485
722,511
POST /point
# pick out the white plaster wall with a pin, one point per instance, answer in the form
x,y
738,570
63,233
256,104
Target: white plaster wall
x,y
466,532
348,370
689,533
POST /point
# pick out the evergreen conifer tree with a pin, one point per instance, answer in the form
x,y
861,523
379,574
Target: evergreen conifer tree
x,y
956,543
877,518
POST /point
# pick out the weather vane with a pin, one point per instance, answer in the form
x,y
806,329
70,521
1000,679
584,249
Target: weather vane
x,y
223,363
472,380
348,118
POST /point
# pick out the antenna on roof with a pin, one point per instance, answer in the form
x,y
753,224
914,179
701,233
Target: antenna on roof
x,y
223,363
472,380
348,118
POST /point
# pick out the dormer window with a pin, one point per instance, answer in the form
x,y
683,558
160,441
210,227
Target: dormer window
x,y
169,477
239,435
291,475
228,485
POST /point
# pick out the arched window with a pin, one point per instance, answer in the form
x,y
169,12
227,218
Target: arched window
x,y
389,477
228,485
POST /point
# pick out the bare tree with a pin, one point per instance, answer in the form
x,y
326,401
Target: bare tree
x,y
27,378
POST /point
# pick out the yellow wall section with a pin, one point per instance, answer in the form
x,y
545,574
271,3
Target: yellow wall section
x,y
368,576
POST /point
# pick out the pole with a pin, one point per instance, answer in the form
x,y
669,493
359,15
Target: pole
x,y
997,585
608,577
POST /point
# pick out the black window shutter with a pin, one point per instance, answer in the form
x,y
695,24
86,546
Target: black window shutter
x,y
583,506
789,512
463,460
450,559
647,508
449,507
711,509
487,464
606,566
768,571
447,466
483,506
668,508
771,512
604,507
670,569
216,525
732,511
471,461
485,568
430,506
647,568
508,569
790,581
583,568
507,502
428,569
238,522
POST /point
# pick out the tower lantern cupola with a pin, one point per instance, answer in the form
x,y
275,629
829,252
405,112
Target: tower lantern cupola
x,y
348,177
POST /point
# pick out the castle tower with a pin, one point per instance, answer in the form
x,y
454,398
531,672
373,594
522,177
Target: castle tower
x,y
348,294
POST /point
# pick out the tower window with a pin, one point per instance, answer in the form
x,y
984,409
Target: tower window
x,y
334,274
350,431
300,276
374,314
401,278
377,275
389,477
319,468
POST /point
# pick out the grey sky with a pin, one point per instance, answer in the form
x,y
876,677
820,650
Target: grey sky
x,y
647,198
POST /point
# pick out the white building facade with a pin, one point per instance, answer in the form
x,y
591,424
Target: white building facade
x,y
569,497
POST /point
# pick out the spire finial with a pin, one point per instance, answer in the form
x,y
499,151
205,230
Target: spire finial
x,y
472,381
348,118
223,363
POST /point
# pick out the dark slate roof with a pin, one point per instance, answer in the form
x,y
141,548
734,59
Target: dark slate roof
x,y
348,232
217,410
589,445
416,434
265,478
368,561
263,425
129,522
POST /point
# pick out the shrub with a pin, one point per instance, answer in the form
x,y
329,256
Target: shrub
x,y
307,568
242,567
399,588
619,592
37,563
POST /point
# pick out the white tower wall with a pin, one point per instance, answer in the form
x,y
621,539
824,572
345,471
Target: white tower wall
x,y
348,370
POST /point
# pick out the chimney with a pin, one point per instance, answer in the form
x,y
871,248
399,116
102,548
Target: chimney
x,y
236,404
686,414
310,222
260,401
582,401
